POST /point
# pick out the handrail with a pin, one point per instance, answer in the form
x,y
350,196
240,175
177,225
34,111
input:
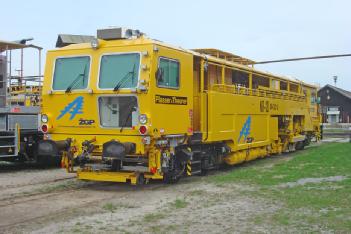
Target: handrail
x,y
24,90
234,89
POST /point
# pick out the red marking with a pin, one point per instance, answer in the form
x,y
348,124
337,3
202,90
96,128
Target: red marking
x,y
153,170
16,109
74,149
191,113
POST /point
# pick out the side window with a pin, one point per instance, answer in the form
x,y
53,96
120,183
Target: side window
x,y
240,78
275,84
168,73
258,80
313,98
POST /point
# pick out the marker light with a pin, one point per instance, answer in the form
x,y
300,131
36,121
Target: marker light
x,y
44,118
142,119
142,129
44,128
94,43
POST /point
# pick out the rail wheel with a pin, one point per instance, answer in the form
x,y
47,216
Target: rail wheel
x,y
300,145
170,178
116,165
141,179
174,173
48,161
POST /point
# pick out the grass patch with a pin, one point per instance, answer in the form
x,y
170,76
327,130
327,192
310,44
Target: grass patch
x,y
76,230
111,207
197,193
70,184
152,217
309,206
179,203
128,206
336,130
326,160
162,229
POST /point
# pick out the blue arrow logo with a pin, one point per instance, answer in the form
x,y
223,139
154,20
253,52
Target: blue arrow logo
x,y
73,108
245,131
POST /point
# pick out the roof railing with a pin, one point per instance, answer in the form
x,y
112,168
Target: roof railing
x,y
241,90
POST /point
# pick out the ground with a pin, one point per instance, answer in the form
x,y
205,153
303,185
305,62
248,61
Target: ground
x,y
305,191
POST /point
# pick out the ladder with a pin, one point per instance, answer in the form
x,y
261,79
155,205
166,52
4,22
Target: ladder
x,y
10,144
193,166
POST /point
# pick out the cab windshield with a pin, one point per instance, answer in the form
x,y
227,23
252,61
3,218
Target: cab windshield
x,y
119,71
71,72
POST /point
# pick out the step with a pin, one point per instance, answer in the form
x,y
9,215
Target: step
x,y
195,141
7,146
196,172
6,137
195,162
7,155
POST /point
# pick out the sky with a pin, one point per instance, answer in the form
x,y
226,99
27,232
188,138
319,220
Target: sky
x,y
259,30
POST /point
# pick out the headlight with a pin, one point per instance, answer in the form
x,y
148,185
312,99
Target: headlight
x,y
142,119
44,118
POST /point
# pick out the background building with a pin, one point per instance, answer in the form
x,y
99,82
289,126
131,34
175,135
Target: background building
x,y
336,104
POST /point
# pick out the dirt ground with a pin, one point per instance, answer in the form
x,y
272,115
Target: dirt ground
x,y
51,201
34,200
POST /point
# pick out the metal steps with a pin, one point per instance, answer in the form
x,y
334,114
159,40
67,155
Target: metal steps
x,y
194,165
9,144
6,137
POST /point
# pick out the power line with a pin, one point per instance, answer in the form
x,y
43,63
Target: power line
x,y
304,58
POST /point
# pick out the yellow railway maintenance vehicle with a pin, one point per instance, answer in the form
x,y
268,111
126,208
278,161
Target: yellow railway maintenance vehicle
x,y
126,108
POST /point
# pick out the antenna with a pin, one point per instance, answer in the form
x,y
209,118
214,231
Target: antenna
x,y
335,80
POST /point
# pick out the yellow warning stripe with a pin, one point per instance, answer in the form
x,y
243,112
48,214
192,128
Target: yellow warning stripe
x,y
188,168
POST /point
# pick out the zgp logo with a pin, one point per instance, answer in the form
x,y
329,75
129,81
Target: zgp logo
x,y
73,108
245,130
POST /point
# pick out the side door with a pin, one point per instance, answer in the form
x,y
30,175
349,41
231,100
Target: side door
x,y
173,92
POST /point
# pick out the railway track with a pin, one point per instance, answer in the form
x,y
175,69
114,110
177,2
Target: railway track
x,y
28,197
22,211
338,134
39,183
23,220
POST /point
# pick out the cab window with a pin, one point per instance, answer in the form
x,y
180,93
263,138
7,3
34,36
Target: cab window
x,y
168,73
71,73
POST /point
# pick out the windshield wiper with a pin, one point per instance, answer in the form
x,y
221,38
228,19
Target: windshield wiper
x,y
74,82
124,79
128,116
